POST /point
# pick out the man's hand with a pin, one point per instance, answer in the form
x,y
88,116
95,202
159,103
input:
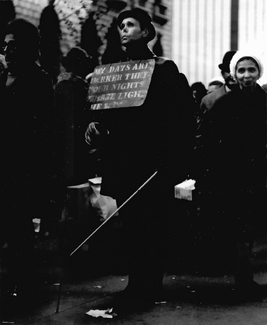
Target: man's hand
x,y
91,133
94,136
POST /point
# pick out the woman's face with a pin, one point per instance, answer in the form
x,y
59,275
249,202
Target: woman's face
x,y
11,52
247,73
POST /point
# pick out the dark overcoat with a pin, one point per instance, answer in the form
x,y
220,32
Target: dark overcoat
x,y
157,135
70,97
27,108
234,142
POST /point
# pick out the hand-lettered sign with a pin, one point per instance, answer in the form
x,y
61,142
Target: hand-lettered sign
x,y
123,84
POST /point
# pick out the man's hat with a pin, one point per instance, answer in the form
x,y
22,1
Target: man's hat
x,y
224,66
143,18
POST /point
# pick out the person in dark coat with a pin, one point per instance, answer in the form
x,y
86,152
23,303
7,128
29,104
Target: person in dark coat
x,y
134,143
27,103
205,263
70,95
50,36
229,83
234,142
199,91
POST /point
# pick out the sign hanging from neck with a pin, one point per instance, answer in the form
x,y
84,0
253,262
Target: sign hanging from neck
x,y
123,84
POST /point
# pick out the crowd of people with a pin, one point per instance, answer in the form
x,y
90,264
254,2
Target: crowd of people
x,y
49,136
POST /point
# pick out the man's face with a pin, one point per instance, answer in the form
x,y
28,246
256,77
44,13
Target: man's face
x,y
130,31
229,80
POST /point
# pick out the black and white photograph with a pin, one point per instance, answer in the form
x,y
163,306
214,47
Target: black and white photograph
x,y
134,162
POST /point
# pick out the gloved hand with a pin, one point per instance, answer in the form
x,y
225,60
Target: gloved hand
x,y
95,136
92,133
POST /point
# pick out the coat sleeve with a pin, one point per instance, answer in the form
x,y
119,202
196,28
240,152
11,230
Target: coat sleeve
x,y
180,125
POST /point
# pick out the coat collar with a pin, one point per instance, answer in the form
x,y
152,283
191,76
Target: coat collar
x,y
140,54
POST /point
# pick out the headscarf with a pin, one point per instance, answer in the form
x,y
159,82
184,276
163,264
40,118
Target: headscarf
x,y
245,54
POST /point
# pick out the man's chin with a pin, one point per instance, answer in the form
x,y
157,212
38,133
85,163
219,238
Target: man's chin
x,y
231,85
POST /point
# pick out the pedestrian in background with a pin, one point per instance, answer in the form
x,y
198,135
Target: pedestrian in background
x,y
214,84
27,108
71,94
206,104
199,91
229,83
136,142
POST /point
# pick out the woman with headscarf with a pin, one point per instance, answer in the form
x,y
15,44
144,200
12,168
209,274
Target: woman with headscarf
x,y
234,142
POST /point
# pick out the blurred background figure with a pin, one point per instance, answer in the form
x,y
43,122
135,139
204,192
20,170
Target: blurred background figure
x,y
27,108
70,94
90,40
7,13
50,34
228,84
214,84
199,91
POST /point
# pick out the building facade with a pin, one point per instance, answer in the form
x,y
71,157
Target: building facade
x,y
194,33
73,13
203,30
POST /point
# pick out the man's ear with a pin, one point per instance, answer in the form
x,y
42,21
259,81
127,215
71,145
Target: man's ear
x,y
145,32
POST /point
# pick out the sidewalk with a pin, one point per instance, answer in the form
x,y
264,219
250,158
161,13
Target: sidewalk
x,y
190,297
189,300
88,281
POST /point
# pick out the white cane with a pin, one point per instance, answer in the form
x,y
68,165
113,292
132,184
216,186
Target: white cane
x,y
121,206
